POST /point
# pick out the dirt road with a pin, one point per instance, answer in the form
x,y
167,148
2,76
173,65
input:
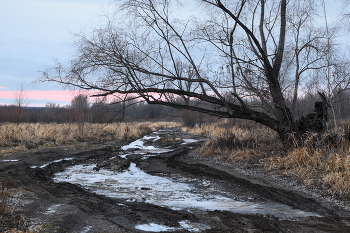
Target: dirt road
x,y
157,184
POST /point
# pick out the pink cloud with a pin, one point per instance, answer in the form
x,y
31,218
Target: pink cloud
x,y
52,96
65,95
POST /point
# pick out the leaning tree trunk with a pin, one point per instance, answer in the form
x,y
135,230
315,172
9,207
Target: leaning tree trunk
x,y
287,131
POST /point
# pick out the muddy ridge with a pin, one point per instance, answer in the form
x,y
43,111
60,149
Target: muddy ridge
x,y
156,184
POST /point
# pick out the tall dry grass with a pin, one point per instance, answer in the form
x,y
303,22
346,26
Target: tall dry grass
x,y
323,159
24,136
233,143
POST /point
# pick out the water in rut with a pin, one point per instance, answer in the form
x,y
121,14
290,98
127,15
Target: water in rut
x,y
175,192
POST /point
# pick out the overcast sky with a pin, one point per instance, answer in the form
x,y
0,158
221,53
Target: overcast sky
x,y
34,32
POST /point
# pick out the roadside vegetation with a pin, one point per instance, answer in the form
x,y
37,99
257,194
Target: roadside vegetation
x,y
25,136
322,160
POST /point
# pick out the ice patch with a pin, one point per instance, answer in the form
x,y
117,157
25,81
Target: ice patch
x,y
155,227
193,227
153,138
187,141
52,209
55,161
185,225
136,185
86,229
142,149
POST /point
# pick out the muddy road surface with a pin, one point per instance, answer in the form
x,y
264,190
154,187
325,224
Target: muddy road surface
x,y
157,184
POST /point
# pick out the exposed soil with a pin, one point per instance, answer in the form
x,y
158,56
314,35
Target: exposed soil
x,y
67,207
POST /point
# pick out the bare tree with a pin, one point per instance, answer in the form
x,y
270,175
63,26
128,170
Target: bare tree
x,y
306,48
20,102
79,108
227,60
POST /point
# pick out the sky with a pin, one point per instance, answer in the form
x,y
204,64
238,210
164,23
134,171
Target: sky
x,y
33,34
36,32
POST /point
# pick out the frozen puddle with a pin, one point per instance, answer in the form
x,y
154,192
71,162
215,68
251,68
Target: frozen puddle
x,y
155,227
185,225
142,149
55,161
188,141
136,185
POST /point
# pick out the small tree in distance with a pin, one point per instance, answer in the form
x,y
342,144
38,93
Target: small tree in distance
x,y
20,102
79,108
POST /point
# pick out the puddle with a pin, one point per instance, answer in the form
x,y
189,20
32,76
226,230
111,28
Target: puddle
x,y
144,150
185,225
177,192
136,185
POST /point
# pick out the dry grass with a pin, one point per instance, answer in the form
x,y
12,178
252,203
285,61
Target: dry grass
x,y
24,136
322,160
233,143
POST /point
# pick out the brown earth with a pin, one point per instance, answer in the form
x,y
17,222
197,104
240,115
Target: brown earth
x,y
65,207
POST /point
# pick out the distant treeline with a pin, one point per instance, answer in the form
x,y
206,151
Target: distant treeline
x,y
100,112
96,113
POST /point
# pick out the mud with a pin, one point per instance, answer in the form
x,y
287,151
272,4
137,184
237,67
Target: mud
x,y
61,206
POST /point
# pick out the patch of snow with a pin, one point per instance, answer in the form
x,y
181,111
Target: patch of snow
x,y
52,209
185,225
187,141
55,161
193,227
155,227
124,155
86,229
149,137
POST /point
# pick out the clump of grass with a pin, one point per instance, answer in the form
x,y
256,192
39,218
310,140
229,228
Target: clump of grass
x,y
233,143
323,159
24,136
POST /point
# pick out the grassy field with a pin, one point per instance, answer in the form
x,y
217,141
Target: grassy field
x,y
24,136
322,160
